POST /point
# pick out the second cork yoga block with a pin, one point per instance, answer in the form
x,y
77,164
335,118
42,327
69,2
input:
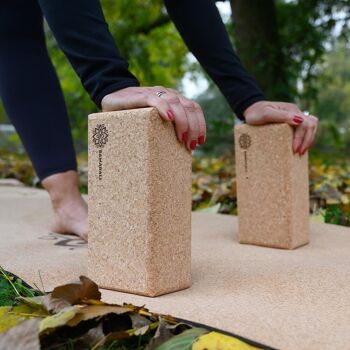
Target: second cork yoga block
x,y
139,203
272,187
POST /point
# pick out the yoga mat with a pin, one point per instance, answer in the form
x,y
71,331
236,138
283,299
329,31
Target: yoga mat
x,y
297,299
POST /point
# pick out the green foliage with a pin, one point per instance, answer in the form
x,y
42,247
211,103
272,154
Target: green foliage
x,y
307,30
334,215
12,287
316,65
315,58
333,102
219,118
147,39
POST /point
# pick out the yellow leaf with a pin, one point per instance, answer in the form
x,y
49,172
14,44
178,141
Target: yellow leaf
x,y
332,201
319,217
11,316
59,319
7,320
345,199
213,209
218,341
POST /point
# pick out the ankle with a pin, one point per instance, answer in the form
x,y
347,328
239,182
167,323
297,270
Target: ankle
x,y
63,188
62,199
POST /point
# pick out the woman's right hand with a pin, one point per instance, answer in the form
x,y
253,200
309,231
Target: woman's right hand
x,y
186,114
305,126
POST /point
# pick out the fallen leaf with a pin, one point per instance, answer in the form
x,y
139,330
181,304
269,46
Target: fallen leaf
x,y
92,311
141,331
215,341
10,316
75,293
161,336
46,302
25,336
214,209
59,319
7,320
182,341
139,321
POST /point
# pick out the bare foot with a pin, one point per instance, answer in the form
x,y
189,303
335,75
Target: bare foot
x,y
71,218
69,208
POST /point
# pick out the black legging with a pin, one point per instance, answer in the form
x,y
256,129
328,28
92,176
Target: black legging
x,y
30,89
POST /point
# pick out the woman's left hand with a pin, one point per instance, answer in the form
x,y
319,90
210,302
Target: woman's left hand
x,y
187,115
265,112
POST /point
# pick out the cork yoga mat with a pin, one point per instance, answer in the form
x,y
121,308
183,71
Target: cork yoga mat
x,y
298,299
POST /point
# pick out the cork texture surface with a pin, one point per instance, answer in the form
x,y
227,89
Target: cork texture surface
x,y
287,299
272,187
139,203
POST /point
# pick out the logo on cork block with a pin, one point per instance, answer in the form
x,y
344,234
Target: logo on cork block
x,y
245,141
100,138
100,135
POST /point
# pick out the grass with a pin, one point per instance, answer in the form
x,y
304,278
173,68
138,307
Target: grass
x,y
12,287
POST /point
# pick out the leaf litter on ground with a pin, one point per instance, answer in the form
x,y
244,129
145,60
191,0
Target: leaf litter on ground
x,y
73,316
214,188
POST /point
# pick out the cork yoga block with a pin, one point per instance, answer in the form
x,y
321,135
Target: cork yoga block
x,y
139,204
272,187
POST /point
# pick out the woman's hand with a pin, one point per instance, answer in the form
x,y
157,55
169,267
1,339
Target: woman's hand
x,y
265,112
186,114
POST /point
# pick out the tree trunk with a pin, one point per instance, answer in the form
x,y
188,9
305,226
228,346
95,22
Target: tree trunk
x,y
257,42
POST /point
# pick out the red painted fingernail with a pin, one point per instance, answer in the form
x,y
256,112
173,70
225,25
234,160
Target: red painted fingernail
x,y
193,144
201,140
185,136
298,119
170,115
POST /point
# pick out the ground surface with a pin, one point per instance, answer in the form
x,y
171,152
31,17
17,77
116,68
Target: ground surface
x,y
286,299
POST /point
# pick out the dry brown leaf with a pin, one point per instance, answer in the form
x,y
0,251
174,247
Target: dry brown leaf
x,y
162,334
139,321
75,293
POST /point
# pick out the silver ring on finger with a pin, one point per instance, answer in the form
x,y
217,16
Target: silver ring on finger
x,y
160,93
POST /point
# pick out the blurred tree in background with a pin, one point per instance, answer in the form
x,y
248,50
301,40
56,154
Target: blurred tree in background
x,y
296,49
333,102
285,45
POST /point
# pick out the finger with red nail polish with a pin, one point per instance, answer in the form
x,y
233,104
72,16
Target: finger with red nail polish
x,y
170,115
193,145
297,119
